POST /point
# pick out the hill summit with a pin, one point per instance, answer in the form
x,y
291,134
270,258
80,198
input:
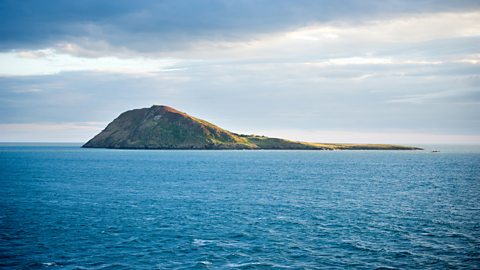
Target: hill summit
x,y
163,127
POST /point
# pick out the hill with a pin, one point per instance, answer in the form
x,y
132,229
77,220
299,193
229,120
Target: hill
x,y
162,127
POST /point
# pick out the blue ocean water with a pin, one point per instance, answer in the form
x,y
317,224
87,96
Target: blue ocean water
x,y
63,207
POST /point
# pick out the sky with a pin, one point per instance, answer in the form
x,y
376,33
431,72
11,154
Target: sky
x,y
363,71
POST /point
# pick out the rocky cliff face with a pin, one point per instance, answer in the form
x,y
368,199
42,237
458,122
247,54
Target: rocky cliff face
x,y
162,127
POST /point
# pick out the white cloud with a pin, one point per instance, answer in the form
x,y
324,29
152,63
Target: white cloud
x,y
33,54
406,29
27,90
429,97
369,61
26,63
473,59
87,48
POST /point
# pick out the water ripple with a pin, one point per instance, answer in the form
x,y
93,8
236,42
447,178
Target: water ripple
x,y
102,209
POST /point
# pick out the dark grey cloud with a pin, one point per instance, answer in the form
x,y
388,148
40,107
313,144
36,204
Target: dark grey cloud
x,y
158,25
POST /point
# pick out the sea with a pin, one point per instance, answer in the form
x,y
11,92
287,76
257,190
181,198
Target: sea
x,y
64,207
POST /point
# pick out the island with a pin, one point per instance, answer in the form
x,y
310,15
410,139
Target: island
x,y
163,127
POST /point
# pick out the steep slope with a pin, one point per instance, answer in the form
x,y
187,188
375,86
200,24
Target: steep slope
x,y
162,127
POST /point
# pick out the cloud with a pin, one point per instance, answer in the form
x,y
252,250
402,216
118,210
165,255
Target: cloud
x,y
470,96
33,54
364,66
470,59
45,62
149,26
255,96
450,40
81,96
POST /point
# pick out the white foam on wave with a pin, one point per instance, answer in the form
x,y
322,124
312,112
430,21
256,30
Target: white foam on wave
x,y
244,265
219,243
256,265
202,242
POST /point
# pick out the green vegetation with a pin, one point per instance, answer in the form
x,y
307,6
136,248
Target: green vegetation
x,y
162,127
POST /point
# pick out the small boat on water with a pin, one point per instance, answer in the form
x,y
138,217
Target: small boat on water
x,y
435,151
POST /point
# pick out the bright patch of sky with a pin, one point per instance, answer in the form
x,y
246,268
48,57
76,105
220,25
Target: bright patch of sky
x,y
44,62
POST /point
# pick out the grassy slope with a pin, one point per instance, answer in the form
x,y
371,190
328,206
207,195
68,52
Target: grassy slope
x,y
275,143
162,127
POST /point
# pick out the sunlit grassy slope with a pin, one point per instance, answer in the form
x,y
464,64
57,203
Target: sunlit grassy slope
x,y
275,143
162,127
